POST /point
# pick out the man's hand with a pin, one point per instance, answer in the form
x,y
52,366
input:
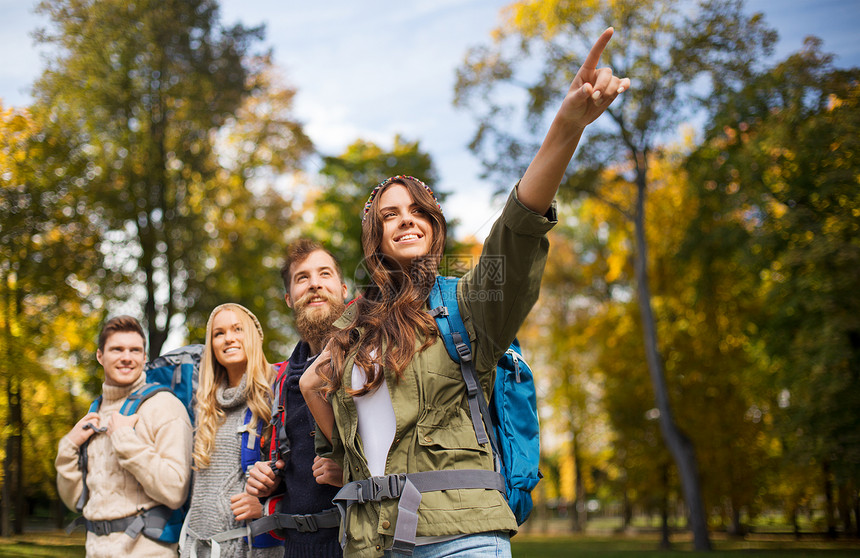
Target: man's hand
x,y
245,506
262,480
118,421
78,435
327,471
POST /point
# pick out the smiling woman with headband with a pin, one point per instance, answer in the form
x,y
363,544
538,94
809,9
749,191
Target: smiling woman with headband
x,y
385,390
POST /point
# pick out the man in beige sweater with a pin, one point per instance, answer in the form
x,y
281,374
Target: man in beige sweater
x,y
135,463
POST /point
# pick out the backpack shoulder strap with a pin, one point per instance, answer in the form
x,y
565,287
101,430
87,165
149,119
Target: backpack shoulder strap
x,y
446,311
96,404
250,442
129,407
280,443
136,398
83,461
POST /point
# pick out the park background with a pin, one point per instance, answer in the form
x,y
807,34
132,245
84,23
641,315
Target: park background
x,y
156,159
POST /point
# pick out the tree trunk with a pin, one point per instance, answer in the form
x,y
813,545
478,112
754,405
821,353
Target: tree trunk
x,y
829,511
8,478
6,511
17,423
679,444
578,517
627,509
665,542
856,507
735,527
59,509
844,507
795,524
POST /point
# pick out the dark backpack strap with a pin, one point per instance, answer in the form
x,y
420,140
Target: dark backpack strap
x,y
303,523
151,522
280,445
446,311
83,461
129,407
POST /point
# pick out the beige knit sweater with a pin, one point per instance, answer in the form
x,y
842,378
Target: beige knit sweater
x,y
130,471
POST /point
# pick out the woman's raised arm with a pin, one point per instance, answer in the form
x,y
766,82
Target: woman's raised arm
x,y
590,93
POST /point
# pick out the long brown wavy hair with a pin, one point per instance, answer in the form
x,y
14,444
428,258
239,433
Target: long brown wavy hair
x,y
390,311
259,376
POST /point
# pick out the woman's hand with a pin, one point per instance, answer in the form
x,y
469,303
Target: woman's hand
x,y
245,506
592,90
327,471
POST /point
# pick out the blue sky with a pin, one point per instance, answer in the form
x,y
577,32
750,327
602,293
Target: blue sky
x,y
373,68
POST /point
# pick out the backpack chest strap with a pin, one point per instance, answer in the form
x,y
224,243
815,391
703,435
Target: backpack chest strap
x,y
249,435
407,488
151,522
303,523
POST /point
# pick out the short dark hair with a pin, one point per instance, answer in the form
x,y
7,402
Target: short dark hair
x,y
297,252
117,324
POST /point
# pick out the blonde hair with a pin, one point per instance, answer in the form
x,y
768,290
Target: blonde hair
x,y
259,376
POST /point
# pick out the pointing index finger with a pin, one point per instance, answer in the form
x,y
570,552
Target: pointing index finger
x,y
594,56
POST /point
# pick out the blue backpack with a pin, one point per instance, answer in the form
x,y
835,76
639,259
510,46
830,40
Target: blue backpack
x,y
511,418
175,372
251,452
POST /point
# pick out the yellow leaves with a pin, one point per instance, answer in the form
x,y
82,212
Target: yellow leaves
x,y
833,102
616,261
545,18
17,126
776,208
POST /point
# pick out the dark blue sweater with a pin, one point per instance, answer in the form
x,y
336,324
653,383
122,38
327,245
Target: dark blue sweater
x,y
302,494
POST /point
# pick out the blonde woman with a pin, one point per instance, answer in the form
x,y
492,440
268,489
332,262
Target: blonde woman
x,y
233,396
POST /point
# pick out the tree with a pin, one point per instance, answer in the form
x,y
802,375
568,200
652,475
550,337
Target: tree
x,y
47,250
559,339
252,220
140,88
778,188
664,50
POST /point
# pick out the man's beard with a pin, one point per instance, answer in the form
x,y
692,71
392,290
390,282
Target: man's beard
x,y
314,323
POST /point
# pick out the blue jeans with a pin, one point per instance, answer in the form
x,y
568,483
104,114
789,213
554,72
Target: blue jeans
x,y
493,544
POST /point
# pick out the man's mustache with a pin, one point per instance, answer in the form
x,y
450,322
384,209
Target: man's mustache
x,y
306,299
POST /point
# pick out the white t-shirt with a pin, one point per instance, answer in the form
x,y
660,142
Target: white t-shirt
x,y
376,421
376,426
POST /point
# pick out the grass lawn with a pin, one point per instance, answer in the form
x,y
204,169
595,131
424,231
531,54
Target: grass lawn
x,y
54,544
647,546
59,545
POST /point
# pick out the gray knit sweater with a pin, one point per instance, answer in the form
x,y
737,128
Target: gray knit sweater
x,y
213,486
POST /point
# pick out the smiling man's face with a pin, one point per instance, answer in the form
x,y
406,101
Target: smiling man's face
x,y
317,296
122,358
313,282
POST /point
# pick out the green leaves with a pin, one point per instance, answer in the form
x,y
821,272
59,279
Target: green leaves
x,y
143,91
778,187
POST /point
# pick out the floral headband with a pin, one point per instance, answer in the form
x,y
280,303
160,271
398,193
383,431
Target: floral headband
x,y
388,181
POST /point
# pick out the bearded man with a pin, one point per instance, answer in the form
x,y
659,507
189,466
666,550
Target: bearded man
x,y
302,510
